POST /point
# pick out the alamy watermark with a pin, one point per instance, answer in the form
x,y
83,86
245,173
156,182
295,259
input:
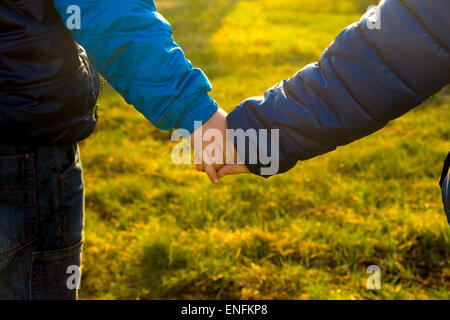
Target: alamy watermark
x,y
74,280
73,22
373,18
240,145
374,280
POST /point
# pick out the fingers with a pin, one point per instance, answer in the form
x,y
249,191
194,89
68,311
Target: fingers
x,y
230,169
214,172
198,162
210,169
207,166
211,172
226,170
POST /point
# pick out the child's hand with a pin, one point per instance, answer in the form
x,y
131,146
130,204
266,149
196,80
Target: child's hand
x,y
231,169
212,151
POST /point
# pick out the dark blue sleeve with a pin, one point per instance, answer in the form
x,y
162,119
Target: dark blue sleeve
x,y
367,77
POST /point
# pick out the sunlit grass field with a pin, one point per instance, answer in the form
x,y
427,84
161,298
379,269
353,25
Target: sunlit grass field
x,y
157,230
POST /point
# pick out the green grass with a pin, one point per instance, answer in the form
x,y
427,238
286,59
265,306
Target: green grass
x,y
157,230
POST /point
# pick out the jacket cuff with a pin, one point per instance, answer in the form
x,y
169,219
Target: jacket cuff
x,y
234,122
203,108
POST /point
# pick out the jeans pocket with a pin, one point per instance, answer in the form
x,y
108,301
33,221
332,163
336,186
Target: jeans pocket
x,y
71,162
56,275
18,210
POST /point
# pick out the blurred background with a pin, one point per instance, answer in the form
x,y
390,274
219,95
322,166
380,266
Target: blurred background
x,y
155,230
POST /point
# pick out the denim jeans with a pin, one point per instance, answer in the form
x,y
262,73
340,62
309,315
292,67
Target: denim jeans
x,y
41,222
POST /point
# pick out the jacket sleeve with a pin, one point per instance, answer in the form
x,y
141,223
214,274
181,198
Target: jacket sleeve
x,y
132,46
373,72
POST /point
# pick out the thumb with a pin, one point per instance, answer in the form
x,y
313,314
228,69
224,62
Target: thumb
x,y
230,169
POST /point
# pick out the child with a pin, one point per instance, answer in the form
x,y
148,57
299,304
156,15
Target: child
x,y
376,70
48,104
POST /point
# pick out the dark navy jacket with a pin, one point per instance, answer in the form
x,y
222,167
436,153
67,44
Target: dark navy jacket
x,y
48,89
367,77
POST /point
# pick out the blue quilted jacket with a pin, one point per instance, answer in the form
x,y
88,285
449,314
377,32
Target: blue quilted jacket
x,y
132,47
367,77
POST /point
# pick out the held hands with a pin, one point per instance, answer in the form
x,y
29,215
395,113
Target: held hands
x,y
214,154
